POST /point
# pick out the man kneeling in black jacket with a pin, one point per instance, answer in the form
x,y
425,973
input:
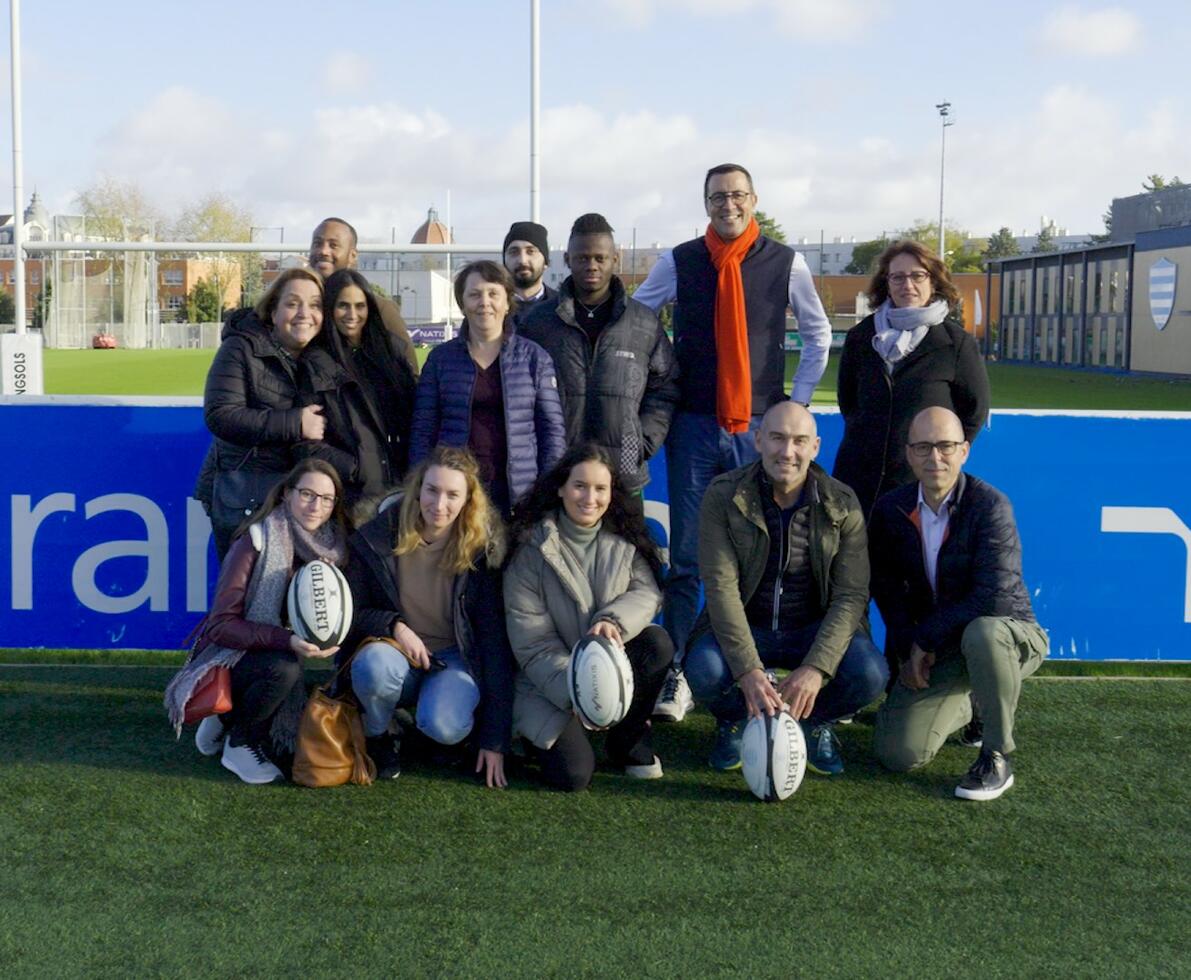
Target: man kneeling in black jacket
x,y
946,575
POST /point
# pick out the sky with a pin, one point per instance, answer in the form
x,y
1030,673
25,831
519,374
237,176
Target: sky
x,y
380,110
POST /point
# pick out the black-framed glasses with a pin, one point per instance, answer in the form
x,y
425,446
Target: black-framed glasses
x,y
923,449
723,197
310,497
917,277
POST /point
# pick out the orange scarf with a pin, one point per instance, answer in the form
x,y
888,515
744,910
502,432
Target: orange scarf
x,y
734,380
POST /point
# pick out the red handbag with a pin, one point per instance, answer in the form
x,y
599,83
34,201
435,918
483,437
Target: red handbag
x,y
212,696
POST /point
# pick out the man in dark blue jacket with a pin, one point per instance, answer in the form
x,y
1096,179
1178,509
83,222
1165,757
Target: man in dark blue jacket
x,y
946,575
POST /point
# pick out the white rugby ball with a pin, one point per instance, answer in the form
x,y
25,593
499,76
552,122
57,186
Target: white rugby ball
x,y
600,679
320,604
773,756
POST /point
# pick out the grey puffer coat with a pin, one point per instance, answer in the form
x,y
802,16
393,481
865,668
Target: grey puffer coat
x,y
548,609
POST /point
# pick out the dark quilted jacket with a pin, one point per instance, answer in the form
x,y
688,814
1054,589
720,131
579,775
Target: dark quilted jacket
x,y
251,399
622,393
533,413
979,570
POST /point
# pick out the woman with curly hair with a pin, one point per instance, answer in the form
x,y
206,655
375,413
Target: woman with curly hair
x,y
300,521
584,565
429,618
911,353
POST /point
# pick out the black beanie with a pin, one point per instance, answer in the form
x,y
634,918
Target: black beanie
x,y
527,231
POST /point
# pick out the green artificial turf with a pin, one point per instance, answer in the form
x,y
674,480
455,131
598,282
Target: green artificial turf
x,y
182,372
125,853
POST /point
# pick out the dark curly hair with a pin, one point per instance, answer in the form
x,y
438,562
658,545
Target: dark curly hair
x,y
941,285
625,517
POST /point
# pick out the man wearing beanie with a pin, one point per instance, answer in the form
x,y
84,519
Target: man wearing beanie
x,y
526,254
731,288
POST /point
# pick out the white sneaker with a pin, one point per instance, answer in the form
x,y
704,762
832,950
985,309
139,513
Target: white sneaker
x,y
250,763
651,771
674,699
210,735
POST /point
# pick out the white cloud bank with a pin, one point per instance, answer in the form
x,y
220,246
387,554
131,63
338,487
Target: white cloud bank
x,y
1096,33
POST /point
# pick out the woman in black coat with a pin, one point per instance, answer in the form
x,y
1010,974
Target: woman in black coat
x,y
911,353
251,403
357,374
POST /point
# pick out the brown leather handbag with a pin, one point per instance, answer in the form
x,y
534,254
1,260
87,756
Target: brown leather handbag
x,y
212,696
330,748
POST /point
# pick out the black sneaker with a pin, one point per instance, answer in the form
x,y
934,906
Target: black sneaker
x,y
384,751
972,734
991,774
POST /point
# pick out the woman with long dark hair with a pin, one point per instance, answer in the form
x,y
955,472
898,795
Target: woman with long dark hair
x,y
425,580
356,372
584,565
301,520
491,390
910,353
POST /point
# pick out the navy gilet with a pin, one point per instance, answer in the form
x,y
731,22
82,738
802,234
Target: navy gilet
x,y
765,273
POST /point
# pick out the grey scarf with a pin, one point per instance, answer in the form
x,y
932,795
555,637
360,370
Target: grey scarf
x,y
899,329
281,539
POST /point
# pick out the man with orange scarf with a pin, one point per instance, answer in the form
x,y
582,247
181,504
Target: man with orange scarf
x,y
731,289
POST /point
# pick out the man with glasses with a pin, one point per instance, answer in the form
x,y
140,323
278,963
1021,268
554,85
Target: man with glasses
x,y
731,289
946,575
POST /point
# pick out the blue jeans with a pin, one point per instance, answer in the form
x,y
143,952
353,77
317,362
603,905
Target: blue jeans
x,y
697,451
859,679
446,699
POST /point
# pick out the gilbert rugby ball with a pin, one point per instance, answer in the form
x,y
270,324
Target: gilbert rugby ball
x,y
773,756
600,679
320,604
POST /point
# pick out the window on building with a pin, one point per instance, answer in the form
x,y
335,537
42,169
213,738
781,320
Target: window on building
x,y
172,277
34,276
174,303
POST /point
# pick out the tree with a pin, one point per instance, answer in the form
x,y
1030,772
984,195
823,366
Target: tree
x,y
1156,182
864,256
1046,239
41,307
217,218
114,209
962,252
204,304
769,227
8,308
1001,245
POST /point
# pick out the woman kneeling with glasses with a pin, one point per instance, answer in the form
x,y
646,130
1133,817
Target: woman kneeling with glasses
x,y
300,521
584,565
428,613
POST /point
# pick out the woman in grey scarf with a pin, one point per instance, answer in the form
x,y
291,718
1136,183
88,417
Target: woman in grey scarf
x,y
911,353
300,521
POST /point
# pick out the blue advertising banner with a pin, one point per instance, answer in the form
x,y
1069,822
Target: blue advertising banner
x,y
106,549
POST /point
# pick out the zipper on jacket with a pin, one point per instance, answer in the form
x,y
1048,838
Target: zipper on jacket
x,y
781,570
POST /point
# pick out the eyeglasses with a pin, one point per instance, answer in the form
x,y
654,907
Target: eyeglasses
x,y
918,277
923,449
310,497
723,197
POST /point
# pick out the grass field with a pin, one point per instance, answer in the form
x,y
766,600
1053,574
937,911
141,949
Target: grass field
x,y
137,372
128,854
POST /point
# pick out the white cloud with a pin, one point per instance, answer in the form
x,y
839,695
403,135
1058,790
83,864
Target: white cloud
x,y
1109,31
804,20
347,72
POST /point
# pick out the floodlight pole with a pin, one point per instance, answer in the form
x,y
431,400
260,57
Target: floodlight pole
x,y
944,112
535,111
18,191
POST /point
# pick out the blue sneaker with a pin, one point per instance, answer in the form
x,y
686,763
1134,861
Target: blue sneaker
x,y
822,750
725,754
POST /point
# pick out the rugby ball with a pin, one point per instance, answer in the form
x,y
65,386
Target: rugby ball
x,y
773,756
320,604
600,679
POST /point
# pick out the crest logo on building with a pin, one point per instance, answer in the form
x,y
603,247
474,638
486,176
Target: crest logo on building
x,y
1163,276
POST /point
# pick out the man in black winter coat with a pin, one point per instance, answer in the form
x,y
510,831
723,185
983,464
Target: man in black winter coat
x,y
616,370
525,254
946,574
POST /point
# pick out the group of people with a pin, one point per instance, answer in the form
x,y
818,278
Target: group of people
x,y
487,511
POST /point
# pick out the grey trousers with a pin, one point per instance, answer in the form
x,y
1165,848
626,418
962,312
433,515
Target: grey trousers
x,y
996,653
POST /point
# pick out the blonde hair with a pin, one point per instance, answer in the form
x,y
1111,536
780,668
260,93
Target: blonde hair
x,y
475,529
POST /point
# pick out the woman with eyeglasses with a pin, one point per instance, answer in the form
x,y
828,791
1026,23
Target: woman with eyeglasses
x,y
300,521
910,353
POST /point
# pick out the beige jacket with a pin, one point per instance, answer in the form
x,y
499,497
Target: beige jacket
x,y
548,609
